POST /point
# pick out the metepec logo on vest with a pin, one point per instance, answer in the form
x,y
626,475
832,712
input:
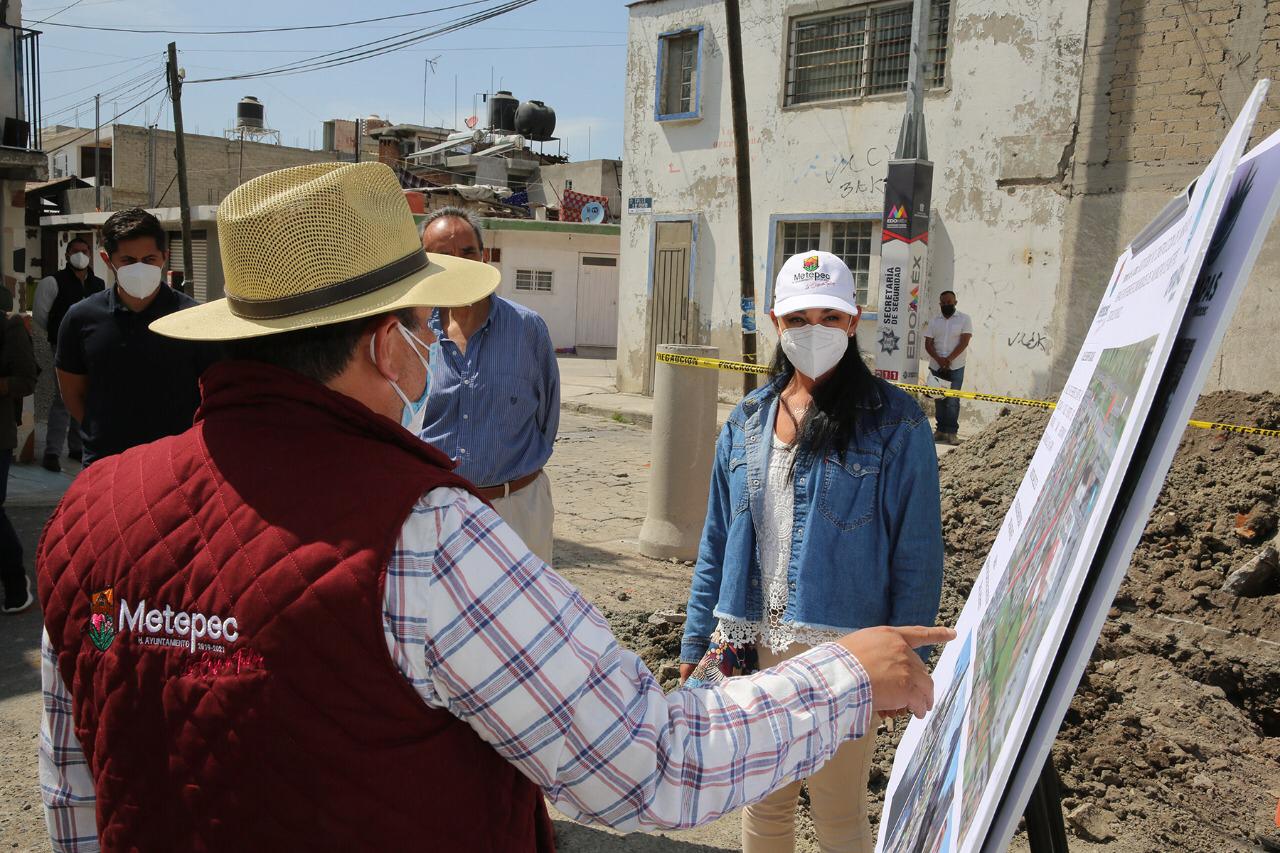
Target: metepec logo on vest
x,y
158,626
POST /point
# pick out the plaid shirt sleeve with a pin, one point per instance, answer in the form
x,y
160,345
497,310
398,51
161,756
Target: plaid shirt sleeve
x,y
484,629
65,783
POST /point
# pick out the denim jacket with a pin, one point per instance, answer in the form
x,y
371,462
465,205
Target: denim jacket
x,y
866,543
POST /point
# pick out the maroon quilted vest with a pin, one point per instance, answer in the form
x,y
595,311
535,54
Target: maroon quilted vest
x,y
215,600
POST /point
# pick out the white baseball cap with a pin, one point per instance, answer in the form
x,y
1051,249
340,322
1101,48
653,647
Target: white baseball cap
x,y
814,280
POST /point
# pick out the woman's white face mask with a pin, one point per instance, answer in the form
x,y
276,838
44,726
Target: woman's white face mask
x,y
815,350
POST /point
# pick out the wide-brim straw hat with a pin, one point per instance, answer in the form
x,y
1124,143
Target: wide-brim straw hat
x,y
321,244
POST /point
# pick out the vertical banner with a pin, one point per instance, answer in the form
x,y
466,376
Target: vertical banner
x,y
904,263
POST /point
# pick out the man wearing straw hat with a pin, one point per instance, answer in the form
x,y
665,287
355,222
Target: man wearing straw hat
x,y
293,627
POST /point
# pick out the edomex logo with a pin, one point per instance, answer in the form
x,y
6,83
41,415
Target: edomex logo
x,y
811,263
102,630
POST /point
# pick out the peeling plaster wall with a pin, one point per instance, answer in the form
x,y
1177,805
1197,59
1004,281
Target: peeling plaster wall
x,y
1001,136
1159,82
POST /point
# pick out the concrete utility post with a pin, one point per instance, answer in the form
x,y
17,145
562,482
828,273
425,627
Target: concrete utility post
x,y
180,155
742,173
684,438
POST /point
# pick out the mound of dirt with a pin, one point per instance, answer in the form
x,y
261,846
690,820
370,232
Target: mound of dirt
x,y
1173,738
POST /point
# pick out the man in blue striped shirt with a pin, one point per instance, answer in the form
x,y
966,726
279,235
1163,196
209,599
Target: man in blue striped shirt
x,y
495,392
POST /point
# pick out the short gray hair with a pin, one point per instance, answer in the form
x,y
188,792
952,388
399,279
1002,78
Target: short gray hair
x,y
453,212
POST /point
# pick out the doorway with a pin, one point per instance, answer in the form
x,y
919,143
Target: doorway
x,y
671,308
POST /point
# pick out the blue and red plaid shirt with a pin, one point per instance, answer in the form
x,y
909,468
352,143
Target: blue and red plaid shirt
x,y
588,723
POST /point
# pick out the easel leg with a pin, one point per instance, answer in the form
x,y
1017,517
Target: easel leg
x,y
1046,831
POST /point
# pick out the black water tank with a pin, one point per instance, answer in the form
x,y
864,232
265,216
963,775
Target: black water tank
x,y
250,112
502,111
535,120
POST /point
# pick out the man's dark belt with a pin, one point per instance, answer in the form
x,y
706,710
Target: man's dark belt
x,y
509,488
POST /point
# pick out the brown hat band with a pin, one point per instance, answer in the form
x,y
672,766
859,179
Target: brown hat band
x,y
331,294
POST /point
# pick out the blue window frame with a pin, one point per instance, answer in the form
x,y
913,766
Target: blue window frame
x,y
678,94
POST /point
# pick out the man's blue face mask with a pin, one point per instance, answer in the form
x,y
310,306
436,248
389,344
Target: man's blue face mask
x,y
415,411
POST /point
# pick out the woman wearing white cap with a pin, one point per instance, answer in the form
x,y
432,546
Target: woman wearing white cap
x,y
823,518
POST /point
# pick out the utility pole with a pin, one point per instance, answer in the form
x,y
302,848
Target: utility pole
x,y
97,153
742,164
359,140
180,155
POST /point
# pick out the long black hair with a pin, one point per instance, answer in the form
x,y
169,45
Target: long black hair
x,y
831,423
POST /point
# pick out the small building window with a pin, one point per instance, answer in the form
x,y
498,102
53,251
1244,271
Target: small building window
x,y
861,50
533,281
851,243
848,239
679,77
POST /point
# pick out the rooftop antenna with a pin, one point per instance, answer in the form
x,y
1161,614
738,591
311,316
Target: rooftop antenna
x,y
428,67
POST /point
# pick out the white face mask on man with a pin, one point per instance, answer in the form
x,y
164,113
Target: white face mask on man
x,y
139,280
79,260
814,350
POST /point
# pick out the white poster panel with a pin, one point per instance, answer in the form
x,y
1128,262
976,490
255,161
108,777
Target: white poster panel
x,y
1250,210
953,767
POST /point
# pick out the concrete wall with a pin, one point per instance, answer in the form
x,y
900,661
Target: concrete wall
x,y
547,250
592,177
1159,82
213,165
1000,132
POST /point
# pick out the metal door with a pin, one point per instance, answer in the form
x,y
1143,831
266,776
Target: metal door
x,y
597,301
669,305
198,287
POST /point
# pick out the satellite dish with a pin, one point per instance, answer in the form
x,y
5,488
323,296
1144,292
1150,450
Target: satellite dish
x,y
470,121
593,212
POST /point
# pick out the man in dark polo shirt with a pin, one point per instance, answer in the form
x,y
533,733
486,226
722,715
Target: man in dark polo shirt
x,y
125,384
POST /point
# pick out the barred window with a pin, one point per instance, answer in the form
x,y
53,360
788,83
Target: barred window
x,y
861,50
851,243
848,239
800,237
534,281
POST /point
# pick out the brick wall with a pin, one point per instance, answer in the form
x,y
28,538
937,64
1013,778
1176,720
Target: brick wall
x,y
213,166
1161,77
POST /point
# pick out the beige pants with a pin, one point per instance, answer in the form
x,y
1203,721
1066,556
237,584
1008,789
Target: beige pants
x,y
837,794
531,514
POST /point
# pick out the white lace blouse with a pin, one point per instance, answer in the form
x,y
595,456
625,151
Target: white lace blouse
x,y
773,533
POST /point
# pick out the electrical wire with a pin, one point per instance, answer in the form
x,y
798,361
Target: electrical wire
x,y
357,54
89,67
114,94
59,12
111,120
42,9
97,84
490,48
251,31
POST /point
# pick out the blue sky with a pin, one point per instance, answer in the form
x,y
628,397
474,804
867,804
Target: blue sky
x,y
569,53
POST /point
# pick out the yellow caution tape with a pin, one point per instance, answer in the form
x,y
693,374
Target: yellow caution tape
x,y
1274,433
930,391
713,363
